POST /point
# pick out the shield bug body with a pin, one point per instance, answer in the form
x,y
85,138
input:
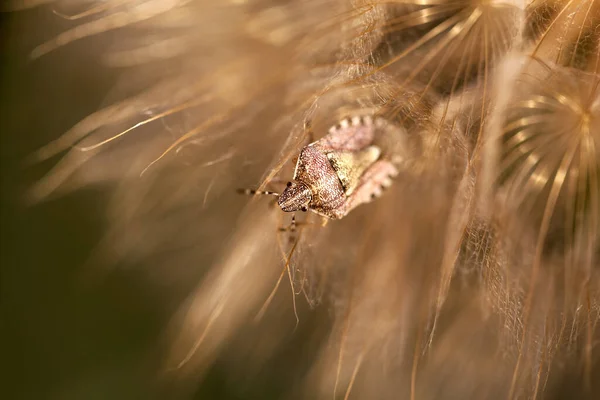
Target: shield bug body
x,y
340,171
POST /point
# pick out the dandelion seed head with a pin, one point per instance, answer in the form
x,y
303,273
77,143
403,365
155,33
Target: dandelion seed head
x,y
550,137
421,293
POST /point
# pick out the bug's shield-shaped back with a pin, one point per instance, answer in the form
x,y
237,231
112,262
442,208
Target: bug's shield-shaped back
x,y
351,165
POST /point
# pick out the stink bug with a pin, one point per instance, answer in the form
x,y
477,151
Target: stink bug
x,y
340,171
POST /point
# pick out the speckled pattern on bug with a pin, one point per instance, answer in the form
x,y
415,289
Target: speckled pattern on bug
x,y
340,171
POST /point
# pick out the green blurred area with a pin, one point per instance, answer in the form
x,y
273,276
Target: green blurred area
x,y
64,335
62,339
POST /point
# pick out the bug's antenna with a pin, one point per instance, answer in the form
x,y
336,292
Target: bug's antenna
x,y
251,192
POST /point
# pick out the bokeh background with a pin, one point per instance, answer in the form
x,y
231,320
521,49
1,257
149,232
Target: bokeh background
x,y
61,339
69,335
66,334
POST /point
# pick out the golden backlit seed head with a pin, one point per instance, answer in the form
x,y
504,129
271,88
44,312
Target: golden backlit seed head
x,y
426,293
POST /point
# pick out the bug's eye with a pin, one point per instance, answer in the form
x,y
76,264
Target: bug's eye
x,y
304,209
289,184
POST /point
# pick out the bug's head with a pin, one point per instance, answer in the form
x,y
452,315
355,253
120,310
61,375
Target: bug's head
x,y
296,196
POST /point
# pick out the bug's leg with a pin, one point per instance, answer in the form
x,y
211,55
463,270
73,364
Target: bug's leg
x,y
310,135
376,178
294,228
291,228
310,138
